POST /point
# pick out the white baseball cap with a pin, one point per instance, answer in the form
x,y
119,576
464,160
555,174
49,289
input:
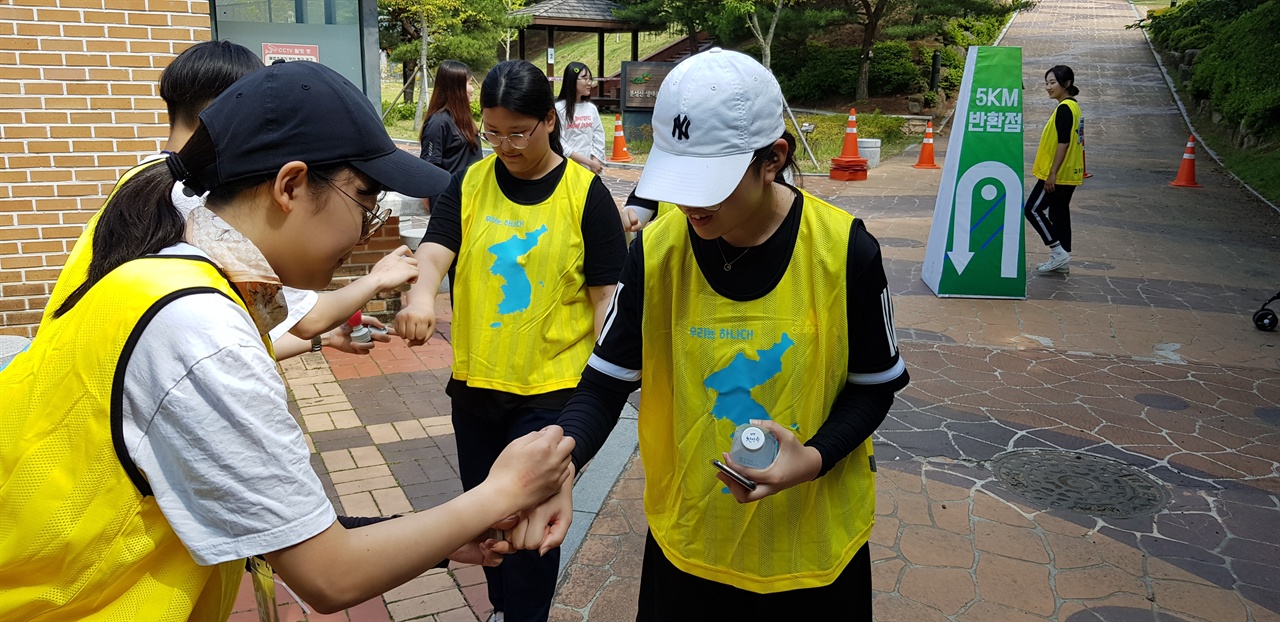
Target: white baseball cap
x,y
712,111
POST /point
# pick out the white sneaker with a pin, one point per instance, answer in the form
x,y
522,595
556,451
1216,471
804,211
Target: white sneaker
x,y
1055,262
497,616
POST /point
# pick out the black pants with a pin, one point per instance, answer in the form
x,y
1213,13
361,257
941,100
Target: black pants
x,y
668,594
1049,213
524,584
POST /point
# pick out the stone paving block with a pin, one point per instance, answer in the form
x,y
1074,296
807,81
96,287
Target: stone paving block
x,y
392,501
1096,582
461,614
477,598
1072,551
317,423
364,485
1009,541
427,583
983,611
581,584
359,504
998,510
341,439
426,605
616,602
1209,603
468,575
352,475
383,433
946,589
930,546
409,430
338,460
345,419
891,608
1015,583
367,456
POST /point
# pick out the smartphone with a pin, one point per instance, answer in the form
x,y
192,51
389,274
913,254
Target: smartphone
x,y
737,477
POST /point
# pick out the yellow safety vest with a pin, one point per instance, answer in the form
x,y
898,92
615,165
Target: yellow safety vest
x,y
1071,173
711,363
522,319
80,536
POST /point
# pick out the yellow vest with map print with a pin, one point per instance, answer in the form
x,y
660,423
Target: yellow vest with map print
x,y
80,539
522,319
710,364
1071,173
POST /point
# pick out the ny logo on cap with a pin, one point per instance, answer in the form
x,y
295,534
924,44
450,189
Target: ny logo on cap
x,y
680,127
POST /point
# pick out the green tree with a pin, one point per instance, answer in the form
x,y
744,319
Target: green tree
x,y
688,17
755,12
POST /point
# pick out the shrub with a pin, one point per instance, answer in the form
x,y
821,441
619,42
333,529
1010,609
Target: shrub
x,y
818,73
1236,71
968,31
892,71
1194,23
401,111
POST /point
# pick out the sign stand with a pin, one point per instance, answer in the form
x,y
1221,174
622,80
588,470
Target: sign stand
x,y
977,243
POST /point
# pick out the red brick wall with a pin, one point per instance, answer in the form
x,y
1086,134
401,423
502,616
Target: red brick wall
x,y
79,105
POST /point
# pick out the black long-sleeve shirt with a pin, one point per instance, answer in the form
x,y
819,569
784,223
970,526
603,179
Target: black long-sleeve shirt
x,y
876,371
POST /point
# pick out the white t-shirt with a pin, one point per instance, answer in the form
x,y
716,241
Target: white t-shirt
x,y
299,302
206,421
584,133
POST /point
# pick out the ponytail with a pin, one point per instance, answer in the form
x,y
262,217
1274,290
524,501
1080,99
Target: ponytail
x,y
140,218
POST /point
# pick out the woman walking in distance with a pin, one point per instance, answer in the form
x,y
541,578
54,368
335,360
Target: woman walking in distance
x,y
583,132
1058,169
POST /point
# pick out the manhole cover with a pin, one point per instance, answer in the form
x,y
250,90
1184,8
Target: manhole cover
x,y
1163,401
1083,483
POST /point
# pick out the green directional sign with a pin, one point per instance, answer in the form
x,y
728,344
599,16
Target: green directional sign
x,y
976,245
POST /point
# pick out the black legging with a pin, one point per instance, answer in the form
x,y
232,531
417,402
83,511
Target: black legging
x,y
1049,213
668,594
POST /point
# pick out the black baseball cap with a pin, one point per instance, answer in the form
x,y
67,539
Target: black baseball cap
x,y
307,112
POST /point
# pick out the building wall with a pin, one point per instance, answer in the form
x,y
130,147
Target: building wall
x,y
79,105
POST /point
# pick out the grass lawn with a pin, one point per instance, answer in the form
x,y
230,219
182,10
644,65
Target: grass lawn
x,y
581,47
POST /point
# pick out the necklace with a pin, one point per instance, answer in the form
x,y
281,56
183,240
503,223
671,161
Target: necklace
x,y
728,265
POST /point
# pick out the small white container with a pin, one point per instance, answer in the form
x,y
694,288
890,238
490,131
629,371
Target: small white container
x,y
869,148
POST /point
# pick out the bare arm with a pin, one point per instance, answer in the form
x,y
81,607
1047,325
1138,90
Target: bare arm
x,y
333,308
600,299
416,321
339,568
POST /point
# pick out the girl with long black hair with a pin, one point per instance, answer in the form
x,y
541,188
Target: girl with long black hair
x,y
583,136
146,446
449,137
534,247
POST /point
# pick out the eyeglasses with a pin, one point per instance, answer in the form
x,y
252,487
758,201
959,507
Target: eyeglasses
x,y
373,218
586,78
518,140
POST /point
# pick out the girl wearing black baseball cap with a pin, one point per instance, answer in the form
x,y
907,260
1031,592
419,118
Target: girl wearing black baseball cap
x,y
752,303
146,448
535,246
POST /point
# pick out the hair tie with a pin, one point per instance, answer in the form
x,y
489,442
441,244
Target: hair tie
x,y
184,177
176,167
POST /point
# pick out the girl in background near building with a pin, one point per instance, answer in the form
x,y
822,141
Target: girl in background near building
x,y
1059,168
449,137
762,303
146,446
583,137
534,247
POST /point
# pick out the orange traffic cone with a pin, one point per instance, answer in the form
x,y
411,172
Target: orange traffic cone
x,y
849,166
620,153
1187,172
926,149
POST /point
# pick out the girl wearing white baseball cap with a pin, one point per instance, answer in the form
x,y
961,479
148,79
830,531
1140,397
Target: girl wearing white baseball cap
x,y
754,302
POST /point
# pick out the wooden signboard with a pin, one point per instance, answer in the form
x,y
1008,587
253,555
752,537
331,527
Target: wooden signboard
x,y
640,82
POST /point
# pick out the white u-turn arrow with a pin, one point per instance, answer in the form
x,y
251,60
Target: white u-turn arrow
x,y
962,216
